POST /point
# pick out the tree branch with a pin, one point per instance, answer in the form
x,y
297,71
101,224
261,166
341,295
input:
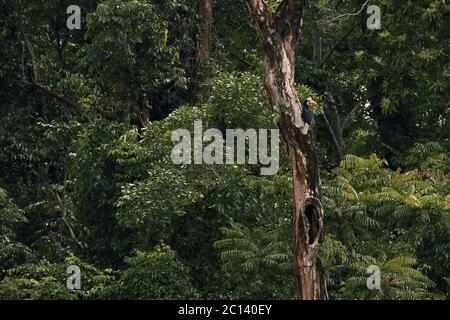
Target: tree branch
x,y
247,63
33,81
286,23
351,114
333,135
288,16
345,16
55,94
63,209
349,32
30,51
261,12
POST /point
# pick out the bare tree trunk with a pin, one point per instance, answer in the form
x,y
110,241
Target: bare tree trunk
x,y
279,35
203,69
337,140
317,48
337,123
126,119
144,109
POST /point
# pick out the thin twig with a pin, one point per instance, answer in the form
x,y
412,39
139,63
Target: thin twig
x,y
345,16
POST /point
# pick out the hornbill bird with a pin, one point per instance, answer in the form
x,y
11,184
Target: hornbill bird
x,y
308,111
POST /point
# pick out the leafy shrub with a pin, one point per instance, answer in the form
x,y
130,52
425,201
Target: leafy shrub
x,y
48,281
156,274
10,217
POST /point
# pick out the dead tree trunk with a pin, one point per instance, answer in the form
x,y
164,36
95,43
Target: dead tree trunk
x,y
279,34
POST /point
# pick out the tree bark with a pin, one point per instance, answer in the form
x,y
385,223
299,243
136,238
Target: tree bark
x,y
335,125
337,122
144,109
337,140
279,34
202,72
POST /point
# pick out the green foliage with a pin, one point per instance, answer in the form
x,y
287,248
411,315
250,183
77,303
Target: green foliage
x,y
304,92
256,262
137,211
97,191
131,38
95,188
47,281
156,274
382,216
242,250
429,156
46,289
10,216
239,101
400,280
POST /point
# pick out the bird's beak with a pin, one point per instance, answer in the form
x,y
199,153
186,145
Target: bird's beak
x,y
311,101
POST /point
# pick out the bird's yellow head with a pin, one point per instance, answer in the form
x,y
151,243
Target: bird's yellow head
x,y
311,101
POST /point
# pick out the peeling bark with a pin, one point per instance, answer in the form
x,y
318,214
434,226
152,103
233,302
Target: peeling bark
x,y
279,33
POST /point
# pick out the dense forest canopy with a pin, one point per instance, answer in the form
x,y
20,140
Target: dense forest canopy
x,y
86,174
